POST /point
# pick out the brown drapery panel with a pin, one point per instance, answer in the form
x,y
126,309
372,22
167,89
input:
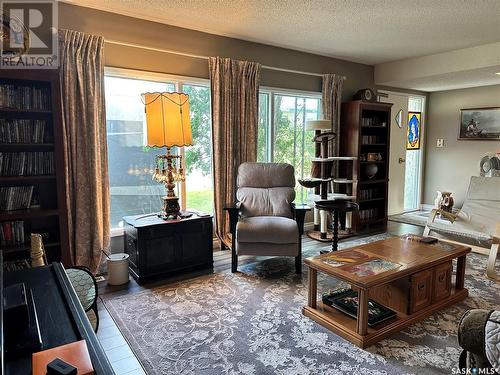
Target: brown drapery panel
x,y
331,100
85,150
234,88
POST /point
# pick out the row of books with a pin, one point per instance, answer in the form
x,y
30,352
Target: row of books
x,y
370,194
12,233
22,131
24,97
15,197
26,163
369,214
371,139
372,121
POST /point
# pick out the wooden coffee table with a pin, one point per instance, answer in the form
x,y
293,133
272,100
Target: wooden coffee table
x,y
412,278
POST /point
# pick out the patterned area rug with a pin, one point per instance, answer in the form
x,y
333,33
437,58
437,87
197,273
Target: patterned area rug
x,y
251,323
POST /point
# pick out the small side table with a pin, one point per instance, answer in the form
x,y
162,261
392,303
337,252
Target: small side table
x,y
335,207
160,248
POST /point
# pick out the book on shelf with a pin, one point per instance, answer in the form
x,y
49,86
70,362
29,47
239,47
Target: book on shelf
x,y
22,131
26,163
12,233
24,97
372,121
15,197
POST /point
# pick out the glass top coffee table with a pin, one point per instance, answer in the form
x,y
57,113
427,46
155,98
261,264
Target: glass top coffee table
x,y
411,278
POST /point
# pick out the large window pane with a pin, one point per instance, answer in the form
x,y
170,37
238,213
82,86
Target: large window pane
x,y
292,143
263,130
199,190
130,163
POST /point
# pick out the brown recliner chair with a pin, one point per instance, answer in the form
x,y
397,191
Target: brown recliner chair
x,y
264,221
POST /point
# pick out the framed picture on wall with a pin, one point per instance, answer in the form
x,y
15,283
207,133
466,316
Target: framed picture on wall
x,y
480,124
414,130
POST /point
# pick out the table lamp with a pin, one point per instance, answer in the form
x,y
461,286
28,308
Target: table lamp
x,y
168,124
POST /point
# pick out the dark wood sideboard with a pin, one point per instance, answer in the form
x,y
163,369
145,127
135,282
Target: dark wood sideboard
x,y
158,247
60,316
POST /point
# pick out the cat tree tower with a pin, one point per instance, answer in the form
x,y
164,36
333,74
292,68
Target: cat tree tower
x,y
326,182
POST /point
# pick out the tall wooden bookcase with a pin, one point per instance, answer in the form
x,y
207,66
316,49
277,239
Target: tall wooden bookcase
x,y
32,158
365,133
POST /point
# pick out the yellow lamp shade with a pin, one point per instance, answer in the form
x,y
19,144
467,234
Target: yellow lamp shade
x,y
167,119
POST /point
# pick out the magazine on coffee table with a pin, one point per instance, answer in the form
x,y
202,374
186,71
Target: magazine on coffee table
x,y
371,267
346,301
350,256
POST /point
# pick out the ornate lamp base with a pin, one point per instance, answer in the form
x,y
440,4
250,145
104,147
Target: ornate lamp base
x,y
171,208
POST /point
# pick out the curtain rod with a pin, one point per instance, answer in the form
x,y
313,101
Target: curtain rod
x,y
206,58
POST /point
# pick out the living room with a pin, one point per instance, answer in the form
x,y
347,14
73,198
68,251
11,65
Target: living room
x,y
252,187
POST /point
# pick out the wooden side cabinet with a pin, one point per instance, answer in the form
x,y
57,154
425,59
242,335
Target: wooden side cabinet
x,y
159,247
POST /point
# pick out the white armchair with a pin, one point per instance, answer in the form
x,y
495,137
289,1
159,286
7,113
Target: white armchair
x,y
477,223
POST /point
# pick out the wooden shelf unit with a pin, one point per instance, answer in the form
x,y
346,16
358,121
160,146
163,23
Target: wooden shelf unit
x,y
50,216
357,140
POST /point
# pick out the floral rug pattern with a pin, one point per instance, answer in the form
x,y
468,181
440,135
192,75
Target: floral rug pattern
x,y
251,323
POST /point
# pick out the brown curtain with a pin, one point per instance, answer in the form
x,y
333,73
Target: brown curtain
x,y
85,151
235,92
331,101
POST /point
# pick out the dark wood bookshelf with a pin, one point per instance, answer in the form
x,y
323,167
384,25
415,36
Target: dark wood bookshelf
x,y
371,200
362,132
374,126
26,247
30,111
12,147
373,221
24,179
28,213
370,182
49,216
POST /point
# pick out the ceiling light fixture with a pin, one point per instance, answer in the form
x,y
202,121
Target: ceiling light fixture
x,y
498,74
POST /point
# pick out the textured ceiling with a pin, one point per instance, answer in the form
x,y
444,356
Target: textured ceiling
x,y
366,31
452,81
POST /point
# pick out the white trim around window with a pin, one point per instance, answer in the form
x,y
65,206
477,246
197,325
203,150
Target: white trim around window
x,y
153,76
291,92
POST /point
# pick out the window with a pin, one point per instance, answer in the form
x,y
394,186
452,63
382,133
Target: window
x,y
282,137
131,164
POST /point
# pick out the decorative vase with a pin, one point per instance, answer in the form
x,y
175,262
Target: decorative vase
x,y
447,201
37,251
371,170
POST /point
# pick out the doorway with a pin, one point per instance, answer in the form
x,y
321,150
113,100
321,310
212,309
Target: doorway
x,y
406,151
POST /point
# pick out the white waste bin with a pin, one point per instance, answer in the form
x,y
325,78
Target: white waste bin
x,y
117,269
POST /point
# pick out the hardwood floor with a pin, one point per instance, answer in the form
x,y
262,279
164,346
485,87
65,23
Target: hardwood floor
x,y
119,353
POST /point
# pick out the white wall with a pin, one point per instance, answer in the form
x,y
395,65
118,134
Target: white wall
x,y
450,168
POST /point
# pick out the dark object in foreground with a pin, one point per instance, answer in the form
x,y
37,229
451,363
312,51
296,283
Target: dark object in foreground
x,y
346,300
59,367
